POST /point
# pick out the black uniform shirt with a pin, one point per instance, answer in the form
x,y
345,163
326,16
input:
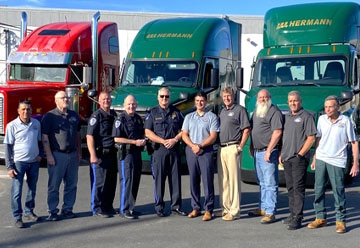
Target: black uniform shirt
x,y
129,127
100,127
165,123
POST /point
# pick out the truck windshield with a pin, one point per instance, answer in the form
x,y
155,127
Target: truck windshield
x,y
326,70
165,73
37,73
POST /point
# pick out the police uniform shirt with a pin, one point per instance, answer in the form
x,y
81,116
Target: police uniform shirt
x,y
100,127
62,129
129,127
232,122
296,130
263,127
165,123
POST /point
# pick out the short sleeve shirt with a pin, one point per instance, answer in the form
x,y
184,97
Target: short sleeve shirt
x,y
61,128
335,137
25,138
100,127
232,122
129,127
165,123
296,130
199,127
263,127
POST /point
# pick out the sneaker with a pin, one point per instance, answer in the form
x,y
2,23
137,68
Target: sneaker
x,y
229,217
31,216
53,217
340,227
267,219
295,223
256,212
102,214
317,223
287,220
128,215
68,214
19,223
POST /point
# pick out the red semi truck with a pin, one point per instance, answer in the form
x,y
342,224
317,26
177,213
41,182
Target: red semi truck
x,y
71,56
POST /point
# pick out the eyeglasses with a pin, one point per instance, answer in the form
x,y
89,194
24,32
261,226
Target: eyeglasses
x,y
63,97
162,96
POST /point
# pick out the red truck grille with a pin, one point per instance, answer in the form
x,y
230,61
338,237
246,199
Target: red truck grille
x,y
2,115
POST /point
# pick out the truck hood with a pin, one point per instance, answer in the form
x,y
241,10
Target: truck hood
x,y
146,96
312,96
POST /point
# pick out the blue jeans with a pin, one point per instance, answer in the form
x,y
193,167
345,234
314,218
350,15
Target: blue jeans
x,y
268,180
336,176
31,170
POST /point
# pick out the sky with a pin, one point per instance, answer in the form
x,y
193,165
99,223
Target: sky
x,y
226,7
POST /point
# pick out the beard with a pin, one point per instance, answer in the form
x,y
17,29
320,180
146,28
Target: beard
x,y
262,108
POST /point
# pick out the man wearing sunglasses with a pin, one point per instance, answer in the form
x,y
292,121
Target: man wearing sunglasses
x,y
163,127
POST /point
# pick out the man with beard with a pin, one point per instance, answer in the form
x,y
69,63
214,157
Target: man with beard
x,y
234,132
267,125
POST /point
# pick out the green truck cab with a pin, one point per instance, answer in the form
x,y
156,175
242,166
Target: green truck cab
x,y
186,55
314,49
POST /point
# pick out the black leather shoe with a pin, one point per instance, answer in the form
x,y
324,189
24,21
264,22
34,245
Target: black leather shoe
x,y
178,212
102,214
160,214
128,215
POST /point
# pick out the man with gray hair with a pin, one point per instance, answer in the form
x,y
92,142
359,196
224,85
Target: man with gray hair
x,y
267,124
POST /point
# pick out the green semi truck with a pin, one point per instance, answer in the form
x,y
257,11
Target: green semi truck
x,y
315,49
186,55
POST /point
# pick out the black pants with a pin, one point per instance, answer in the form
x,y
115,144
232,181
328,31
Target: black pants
x,y
103,177
129,179
166,163
295,178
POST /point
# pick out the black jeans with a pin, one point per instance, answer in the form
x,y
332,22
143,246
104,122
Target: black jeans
x,y
295,177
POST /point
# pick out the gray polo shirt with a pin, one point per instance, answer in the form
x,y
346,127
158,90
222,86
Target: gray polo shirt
x,y
296,130
199,127
61,129
232,122
263,127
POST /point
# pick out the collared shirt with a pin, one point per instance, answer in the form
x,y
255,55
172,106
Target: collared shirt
x,y
199,127
129,127
61,128
100,127
335,137
296,130
165,123
263,127
24,137
232,122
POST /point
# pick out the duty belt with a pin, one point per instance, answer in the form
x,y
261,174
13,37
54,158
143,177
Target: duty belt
x,y
229,143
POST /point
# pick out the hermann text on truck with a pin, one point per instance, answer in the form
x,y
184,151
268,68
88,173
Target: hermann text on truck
x,y
314,49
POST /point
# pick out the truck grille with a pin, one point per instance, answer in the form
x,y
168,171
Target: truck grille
x,y
2,115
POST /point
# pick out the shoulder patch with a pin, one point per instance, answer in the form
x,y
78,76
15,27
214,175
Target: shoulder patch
x,y
92,121
117,123
147,116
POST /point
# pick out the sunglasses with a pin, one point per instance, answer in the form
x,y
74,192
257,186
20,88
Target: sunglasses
x,y
162,96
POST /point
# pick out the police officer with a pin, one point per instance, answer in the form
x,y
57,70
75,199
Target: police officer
x,y
128,131
163,127
102,151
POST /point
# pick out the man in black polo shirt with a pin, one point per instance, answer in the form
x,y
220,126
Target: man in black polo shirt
x,y
298,137
267,124
103,169
234,132
62,146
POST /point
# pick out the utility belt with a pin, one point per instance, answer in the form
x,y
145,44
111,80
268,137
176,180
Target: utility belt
x,y
125,149
66,151
105,151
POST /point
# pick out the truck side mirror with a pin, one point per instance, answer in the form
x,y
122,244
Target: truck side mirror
x,y
239,78
92,94
346,96
87,74
214,77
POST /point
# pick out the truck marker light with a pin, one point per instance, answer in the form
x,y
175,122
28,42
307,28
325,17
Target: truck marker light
x,y
193,54
160,54
308,49
291,50
131,54
167,54
334,48
38,110
300,49
153,54
268,51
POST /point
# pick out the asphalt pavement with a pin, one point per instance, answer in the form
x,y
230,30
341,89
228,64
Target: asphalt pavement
x,y
149,230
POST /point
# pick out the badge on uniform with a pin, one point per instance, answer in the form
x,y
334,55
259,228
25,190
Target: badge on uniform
x,y
117,124
92,121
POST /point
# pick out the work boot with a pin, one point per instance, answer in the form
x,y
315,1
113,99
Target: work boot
x,y
317,223
340,227
267,219
295,223
256,212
